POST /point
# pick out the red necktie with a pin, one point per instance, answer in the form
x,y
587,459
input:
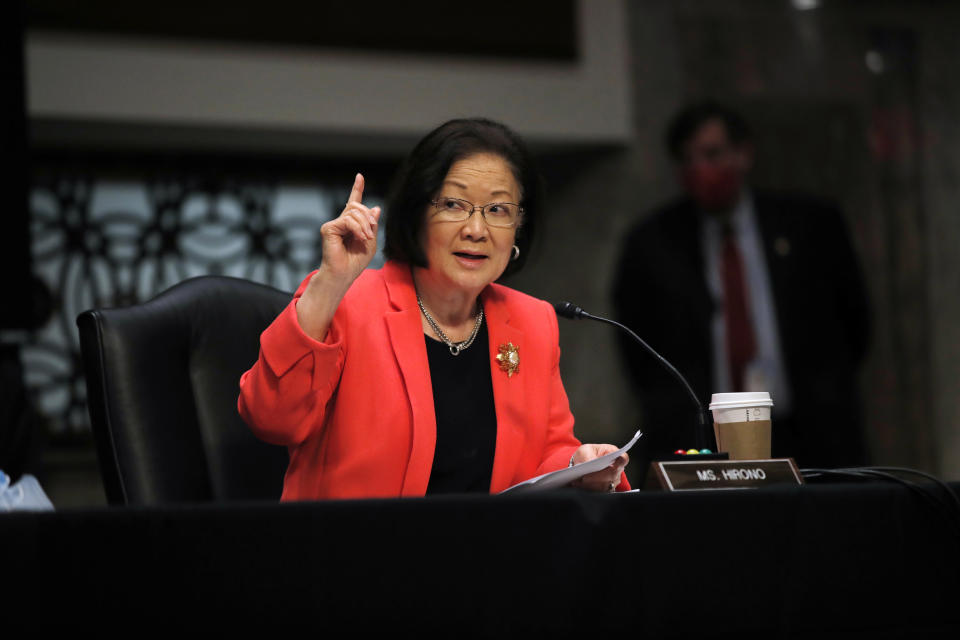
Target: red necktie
x,y
741,344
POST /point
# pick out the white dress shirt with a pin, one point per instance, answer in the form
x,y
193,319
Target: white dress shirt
x,y
767,371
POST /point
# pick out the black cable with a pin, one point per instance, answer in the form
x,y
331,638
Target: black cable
x,y
701,434
950,511
940,483
866,472
890,471
943,509
931,497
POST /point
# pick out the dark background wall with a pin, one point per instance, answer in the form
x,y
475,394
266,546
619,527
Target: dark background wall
x,y
159,157
853,104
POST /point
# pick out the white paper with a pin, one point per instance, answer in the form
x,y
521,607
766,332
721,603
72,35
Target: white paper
x,y
563,477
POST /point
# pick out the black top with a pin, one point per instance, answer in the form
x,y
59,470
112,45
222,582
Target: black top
x,y
466,416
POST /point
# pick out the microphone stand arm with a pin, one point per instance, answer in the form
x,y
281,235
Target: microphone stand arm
x,y
701,436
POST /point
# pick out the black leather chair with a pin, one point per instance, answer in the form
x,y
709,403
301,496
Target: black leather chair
x,y
162,387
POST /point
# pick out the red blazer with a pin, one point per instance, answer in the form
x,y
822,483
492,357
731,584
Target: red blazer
x,y
356,410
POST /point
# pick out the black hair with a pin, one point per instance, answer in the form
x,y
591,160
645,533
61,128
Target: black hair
x,y
685,123
422,173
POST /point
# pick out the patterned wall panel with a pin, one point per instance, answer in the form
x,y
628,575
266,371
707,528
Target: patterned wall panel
x,y
106,242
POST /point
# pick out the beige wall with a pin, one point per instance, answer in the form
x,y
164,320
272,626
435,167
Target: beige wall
x,y
320,95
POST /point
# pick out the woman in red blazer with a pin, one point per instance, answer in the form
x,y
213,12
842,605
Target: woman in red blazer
x,y
368,377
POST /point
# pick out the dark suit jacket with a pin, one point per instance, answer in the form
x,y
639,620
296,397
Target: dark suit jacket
x,y
821,309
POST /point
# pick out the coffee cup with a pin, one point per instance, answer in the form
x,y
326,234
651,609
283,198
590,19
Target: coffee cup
x,y
741,424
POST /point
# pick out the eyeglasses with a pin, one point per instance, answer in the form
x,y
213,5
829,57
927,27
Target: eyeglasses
x,y
496,214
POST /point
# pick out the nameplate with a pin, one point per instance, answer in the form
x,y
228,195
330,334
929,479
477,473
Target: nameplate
x,y
696,475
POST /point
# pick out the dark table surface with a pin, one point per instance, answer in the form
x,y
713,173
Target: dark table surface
x,y
833,560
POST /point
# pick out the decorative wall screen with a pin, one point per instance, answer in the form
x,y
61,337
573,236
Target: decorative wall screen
x,y
106,242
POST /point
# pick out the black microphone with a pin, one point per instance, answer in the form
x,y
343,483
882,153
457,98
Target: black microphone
x,y
573,312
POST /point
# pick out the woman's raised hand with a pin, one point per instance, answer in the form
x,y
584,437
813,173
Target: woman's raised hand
x,y
349,244
350,239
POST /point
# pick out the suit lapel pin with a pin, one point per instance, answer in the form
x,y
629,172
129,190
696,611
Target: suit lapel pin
x,y
781,246
509,359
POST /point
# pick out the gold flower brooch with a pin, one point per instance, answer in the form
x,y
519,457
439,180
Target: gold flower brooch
x,y
509,359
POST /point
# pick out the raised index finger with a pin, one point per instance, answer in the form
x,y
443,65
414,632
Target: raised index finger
x,y
356,194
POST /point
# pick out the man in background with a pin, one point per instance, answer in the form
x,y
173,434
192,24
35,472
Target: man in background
x,y
744,291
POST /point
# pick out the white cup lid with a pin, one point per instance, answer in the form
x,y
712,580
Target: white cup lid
x,y
742,399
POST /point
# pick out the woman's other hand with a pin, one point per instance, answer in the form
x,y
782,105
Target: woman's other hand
x,y
349,244
606,480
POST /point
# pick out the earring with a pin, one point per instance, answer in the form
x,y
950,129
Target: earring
x,y
516,252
